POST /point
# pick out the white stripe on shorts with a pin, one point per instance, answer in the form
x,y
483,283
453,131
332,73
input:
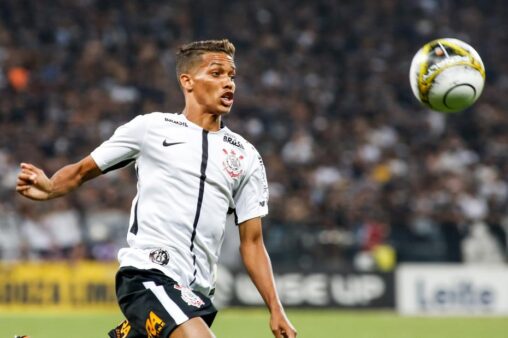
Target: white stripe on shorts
x,y
171,307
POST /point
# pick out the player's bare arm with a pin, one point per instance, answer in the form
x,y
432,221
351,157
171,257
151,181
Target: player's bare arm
x,y
259,267
34,184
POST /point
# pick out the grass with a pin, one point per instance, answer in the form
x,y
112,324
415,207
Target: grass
x,y
253,323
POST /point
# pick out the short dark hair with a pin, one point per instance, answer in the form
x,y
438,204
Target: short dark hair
x,y
188,55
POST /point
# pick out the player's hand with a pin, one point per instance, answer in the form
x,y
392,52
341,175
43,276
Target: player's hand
x,y
33,183
281,326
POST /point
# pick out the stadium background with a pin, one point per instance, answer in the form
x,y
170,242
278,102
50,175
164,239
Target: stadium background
x,y
362,178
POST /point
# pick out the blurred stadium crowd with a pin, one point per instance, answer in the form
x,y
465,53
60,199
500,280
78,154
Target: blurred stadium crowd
x,y
357,168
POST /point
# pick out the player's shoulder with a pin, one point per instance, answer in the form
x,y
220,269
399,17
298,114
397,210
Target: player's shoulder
x,y
239,141
164,118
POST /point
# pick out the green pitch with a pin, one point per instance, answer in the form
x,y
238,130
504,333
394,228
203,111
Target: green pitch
x,y
236,323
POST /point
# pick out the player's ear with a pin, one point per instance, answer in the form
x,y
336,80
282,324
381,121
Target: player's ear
x,y
186,82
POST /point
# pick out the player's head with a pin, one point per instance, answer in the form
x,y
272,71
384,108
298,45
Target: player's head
x,y
189,55
205,72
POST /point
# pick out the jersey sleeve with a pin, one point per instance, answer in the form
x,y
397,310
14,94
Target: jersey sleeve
x,y
251,199
123,147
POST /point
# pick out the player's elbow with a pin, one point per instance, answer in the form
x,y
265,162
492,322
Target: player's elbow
x,y
251,246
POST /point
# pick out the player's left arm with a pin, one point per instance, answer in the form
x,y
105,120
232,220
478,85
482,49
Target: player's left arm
x,y
258,265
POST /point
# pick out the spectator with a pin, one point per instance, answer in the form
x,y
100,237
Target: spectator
x,y
324,90
480,246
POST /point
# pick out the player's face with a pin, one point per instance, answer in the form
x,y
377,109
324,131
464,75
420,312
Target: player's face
x,y
213,82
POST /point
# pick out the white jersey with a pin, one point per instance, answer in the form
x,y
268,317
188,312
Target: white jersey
x,y
189,181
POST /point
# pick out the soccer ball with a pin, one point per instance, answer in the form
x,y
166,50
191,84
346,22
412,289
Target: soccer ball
x,y
447,75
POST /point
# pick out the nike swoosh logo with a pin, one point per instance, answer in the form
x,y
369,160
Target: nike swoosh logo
x,y
167,144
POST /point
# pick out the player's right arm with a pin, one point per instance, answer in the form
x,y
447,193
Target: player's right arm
x,y
120,150
34,184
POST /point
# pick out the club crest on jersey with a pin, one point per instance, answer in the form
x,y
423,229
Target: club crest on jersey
x,y
159,256
233,164
190,297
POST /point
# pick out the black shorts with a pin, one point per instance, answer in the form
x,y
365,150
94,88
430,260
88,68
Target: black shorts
x,y
155,304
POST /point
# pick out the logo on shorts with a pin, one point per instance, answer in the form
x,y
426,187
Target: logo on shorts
x,y
154,325
122,331
190,297
159,256
233,163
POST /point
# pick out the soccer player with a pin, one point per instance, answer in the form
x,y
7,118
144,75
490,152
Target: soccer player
x,y
193,173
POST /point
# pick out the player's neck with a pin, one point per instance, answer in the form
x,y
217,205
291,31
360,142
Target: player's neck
x,y
207,121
